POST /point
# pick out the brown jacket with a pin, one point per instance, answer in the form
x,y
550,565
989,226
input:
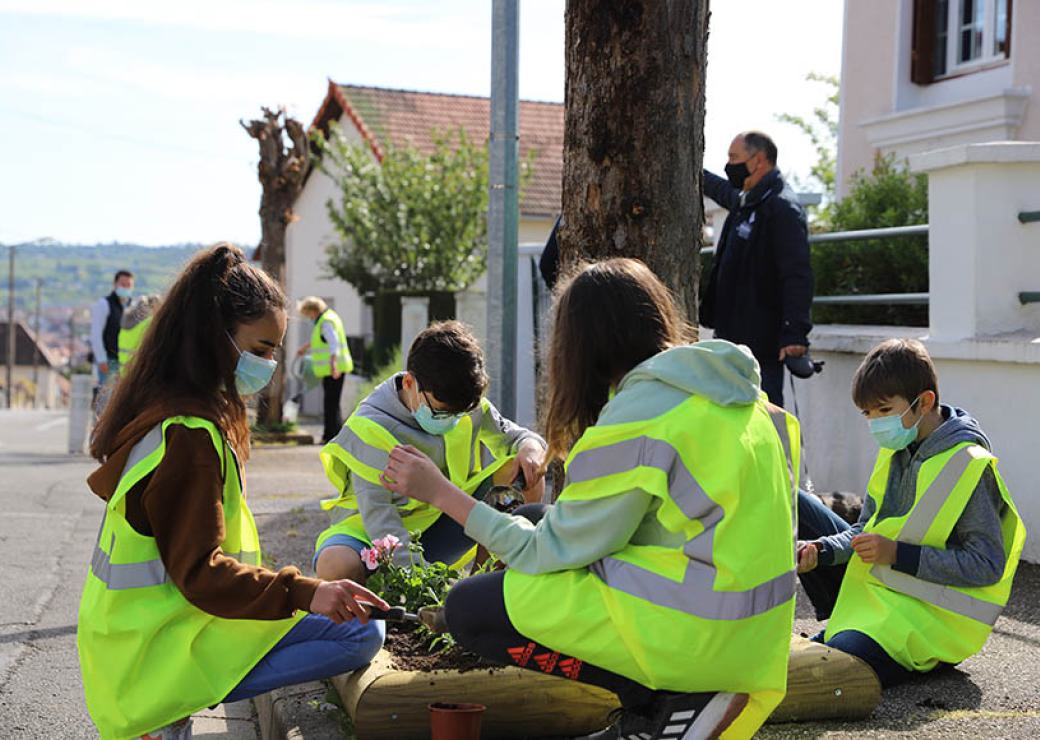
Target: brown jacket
x,y
180,504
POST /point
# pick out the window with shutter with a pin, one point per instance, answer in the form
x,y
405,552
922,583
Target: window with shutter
x,y
953,37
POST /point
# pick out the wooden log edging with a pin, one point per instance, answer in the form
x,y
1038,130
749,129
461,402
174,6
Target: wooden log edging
x,y
390,704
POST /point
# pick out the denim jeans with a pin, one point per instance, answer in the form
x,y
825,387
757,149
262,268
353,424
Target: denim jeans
x,y
315,648
822,584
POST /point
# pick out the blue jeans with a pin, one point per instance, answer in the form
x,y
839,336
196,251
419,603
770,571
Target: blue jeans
x,y
113,370
822,584
444,541
315,648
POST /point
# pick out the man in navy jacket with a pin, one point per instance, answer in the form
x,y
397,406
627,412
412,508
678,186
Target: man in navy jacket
x,y
760,289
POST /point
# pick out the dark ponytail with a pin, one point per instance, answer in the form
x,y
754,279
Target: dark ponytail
x,y
186,363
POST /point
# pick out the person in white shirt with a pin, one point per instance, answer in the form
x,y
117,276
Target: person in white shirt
x,y
105,317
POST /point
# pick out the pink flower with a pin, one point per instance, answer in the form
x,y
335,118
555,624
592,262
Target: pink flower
x,y
386,545
370,557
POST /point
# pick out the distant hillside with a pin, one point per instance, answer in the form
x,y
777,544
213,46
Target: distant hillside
x,y
75,275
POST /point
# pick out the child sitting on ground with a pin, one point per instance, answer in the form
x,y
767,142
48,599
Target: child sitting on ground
x,y
437,406
931,559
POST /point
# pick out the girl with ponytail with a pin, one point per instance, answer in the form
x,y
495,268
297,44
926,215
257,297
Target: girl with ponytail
x,y
177,612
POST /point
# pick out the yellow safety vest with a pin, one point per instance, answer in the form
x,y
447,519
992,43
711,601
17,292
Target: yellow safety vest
x,y
130,340
319,352
363,446
917,622
147,655
713,614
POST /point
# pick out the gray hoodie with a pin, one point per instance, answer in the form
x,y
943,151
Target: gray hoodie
x,y
378,506
573,534
974,554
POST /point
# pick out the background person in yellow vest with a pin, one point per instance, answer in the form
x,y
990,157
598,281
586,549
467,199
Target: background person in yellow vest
x,y
438,406
665,570
133,325
330,359
931,559
177,614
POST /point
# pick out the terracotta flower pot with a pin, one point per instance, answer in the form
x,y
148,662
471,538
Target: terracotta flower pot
x,y
455,721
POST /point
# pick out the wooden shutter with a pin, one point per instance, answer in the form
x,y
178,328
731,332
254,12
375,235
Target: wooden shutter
x,y
1007,46
922,55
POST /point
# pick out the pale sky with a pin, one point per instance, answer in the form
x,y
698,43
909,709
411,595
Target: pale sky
x,y
120,117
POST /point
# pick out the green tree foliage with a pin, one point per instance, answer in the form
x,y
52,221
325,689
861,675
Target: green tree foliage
x,y
413,223
822,129
888,196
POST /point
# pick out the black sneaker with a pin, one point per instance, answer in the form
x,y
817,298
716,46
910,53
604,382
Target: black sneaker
x,y
672,716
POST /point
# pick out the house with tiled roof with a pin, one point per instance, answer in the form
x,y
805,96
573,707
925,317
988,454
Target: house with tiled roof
x,y
36,372
375,117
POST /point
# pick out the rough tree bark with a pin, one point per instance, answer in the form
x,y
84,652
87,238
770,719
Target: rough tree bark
x,y
634,136
281,171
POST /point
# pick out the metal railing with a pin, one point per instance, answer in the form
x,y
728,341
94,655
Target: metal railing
x,y
871,299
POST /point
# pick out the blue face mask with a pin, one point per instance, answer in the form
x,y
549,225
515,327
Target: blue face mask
x,y
252,374
124,293
889,432
436,425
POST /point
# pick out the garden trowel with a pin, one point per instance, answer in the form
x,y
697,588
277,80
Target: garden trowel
x,y
431,616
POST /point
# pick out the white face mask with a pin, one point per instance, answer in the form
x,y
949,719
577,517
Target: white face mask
x,y
253,373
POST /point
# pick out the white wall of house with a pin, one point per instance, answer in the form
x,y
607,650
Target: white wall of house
x,y
882,110
985,343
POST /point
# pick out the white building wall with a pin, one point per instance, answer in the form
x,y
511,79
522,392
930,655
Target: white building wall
x,y
883,111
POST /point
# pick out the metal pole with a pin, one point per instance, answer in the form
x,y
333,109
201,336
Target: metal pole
x,y
503,204
36,346
10,327
72,338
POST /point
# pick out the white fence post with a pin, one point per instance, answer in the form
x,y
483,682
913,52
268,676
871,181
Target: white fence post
x,y
415,315
80,397
980,256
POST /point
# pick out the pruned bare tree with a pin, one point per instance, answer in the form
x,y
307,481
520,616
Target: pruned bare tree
x,y
284,163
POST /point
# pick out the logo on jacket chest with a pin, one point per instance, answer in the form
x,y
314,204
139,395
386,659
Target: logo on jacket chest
x,y
744,227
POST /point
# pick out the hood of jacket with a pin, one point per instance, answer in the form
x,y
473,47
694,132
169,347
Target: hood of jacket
x,y
721,371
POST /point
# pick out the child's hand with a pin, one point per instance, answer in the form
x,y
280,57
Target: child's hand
x,y
529,458
873,548
808,556
336,600
412,474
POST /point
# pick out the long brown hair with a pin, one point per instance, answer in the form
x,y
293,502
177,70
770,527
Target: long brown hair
x,y
186,361
608,317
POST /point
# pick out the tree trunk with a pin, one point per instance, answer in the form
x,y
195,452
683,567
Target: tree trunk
x,y
634,136
281,174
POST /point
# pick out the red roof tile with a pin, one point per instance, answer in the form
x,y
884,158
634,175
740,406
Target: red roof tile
x,y
404,117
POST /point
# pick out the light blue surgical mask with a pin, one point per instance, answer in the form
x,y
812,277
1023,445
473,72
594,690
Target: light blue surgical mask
x,y
889,432
434,422
124,293
253,373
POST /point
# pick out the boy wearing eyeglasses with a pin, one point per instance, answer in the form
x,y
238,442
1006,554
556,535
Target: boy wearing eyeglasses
x,y
438,407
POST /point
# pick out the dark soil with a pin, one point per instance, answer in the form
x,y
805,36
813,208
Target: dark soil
x,y
410,650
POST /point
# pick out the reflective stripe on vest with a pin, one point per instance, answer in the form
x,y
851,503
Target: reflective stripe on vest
x,y
696,594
